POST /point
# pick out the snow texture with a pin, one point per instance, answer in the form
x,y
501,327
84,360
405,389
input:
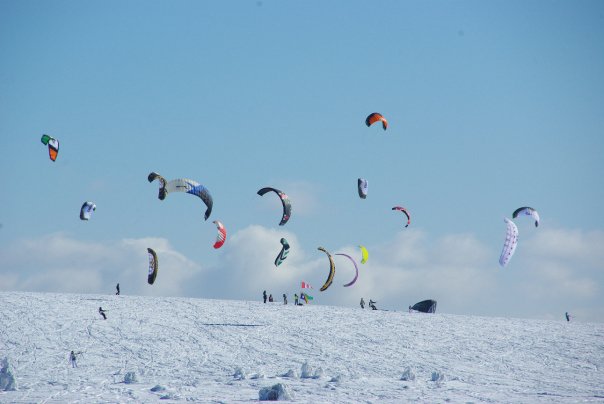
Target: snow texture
x,y
196,350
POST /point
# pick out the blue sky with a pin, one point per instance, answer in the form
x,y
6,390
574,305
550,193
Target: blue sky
x,y
491,105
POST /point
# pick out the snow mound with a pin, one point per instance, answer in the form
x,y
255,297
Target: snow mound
x,y
239,374
277,392
130,377
7,378
408,375
438,377
157,388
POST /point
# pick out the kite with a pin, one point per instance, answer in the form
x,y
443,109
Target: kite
x,y
425,306
283,253
362,188
527,211
287,206
152,266
221,237
183,185
86,210
332,270
364,254
509,246
405,212
376,117
355,267
53,146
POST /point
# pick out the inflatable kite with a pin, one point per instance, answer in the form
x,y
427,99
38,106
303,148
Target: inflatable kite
x,y
400,208
152,266
355,267
221,237
183,185
527,211
509,246
53,146
332,270
283,253
425,306
362,188
287,206
86,210
376,117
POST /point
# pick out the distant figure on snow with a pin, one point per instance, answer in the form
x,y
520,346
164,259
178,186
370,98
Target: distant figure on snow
x,y
284,298
102,313
567,316
264,296
117,287
372,304
270,298
72,359
362,303
295,299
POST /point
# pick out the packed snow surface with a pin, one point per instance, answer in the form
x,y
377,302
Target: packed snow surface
x,y
180,349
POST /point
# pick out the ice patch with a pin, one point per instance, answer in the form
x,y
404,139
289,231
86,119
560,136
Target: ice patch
x,y
277,392
7,378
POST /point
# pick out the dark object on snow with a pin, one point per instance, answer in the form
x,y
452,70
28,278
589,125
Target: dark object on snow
x,y
567,316
372,304
426,306
264,296
102,313
118,289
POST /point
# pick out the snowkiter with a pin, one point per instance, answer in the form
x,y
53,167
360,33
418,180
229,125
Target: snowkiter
x,y
284,298
567,316
295,299
372,304
102,313
270,298
362,303
264,296
72,359
117,287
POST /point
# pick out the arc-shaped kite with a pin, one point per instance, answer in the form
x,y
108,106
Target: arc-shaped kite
x,y
362,186
221,236
183,185
86,210
406,212
283,253
511,240
332,270
376,117
364,254
527,211
355,267
287,206
153,266
53,146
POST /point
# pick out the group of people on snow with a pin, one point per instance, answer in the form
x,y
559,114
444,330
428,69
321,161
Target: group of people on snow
x,y
371,304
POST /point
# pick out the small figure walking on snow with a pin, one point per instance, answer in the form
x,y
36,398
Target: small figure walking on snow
x,y
264,296
117,287
567,316
102,313
372,304
284,298
295,299
72,359
362,303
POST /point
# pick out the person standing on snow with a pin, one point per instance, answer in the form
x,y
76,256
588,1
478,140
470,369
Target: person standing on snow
x,y
284,298
72,359
264,296
567,316
362,303
118,289
295,299
372,304
270,298
102,313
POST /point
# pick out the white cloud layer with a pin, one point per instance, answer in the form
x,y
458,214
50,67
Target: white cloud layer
x,y
554,270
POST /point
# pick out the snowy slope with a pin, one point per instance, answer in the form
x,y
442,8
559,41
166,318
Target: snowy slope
x,y
227,351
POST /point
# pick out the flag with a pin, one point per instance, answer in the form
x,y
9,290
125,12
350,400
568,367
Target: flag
x,y
306,285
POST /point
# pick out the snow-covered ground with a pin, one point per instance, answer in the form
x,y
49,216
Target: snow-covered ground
x,y
197,350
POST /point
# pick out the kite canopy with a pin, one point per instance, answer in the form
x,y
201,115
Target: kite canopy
x,y
53,146
183,185
364,254
527,211
355,267
376,117
425,306
86,210
362,185
287,206
509,246
283,253
332,270
221,237
400,208
153,266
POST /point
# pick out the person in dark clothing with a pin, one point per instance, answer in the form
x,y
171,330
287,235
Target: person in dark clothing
x,y
264,296
284,298
295,299
102,313
118,289
567,316
72,359
362,303
372,304
270,298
